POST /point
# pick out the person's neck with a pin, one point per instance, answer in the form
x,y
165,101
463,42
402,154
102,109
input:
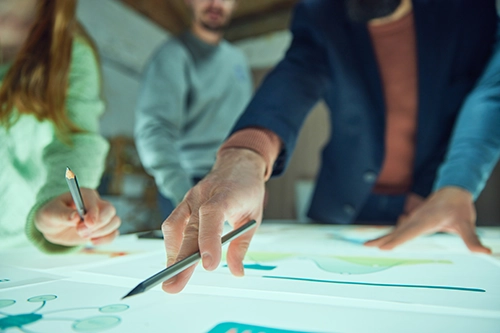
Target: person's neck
x,y
404,8
208,36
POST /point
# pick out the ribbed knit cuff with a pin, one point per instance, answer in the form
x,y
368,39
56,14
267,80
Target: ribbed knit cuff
x,y
260,140
37,238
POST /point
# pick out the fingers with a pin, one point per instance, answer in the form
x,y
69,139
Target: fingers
x,y
106,212
377,241
105,239
91,200
173,229
111,226
466,231
210,233
180,231
237,250
100,219
55,216
60,223
66,237
178,282
401,234
188,247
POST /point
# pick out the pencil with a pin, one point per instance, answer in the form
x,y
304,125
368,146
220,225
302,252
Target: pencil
x,y
185,263
75,192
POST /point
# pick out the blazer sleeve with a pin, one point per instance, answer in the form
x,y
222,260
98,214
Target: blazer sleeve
x,y
289,92
475,145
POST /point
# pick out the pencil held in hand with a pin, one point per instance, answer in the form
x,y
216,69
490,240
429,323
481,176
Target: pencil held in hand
x,y
75,192
185,263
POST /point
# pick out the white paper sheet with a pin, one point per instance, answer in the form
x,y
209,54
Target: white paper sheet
x,y
298,278
465,283
78,307
127,245
461,282
13,277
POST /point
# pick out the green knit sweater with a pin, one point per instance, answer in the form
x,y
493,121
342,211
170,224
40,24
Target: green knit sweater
x,y
33,160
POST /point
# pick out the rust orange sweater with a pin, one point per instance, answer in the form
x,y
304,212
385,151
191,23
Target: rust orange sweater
x,y
395,50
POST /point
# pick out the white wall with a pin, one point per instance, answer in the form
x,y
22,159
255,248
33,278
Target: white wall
x,y
265,51
125,40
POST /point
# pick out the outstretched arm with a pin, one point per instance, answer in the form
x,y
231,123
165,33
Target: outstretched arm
x,y
473,152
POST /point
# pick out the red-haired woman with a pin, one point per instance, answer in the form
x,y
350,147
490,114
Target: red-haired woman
x,y
49,109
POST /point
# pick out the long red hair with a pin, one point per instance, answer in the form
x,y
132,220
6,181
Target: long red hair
x,y
37,82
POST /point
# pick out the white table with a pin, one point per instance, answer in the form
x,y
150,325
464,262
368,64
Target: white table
x,y
299,278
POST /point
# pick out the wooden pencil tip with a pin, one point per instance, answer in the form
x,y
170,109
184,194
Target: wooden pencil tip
x,y
69,173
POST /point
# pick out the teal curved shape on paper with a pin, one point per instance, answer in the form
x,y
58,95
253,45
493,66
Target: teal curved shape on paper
x,y
89,324
19,320
96,323
257,267
6,302
245,328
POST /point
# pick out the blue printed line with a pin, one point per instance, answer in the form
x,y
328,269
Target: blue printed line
x,y
476,290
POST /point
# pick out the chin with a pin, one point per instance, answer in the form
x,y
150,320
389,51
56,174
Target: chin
x,y
214,26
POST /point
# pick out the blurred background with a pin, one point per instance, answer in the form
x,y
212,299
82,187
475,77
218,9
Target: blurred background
x,y
127,32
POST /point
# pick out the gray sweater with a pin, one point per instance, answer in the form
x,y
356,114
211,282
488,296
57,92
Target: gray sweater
x,y
191,96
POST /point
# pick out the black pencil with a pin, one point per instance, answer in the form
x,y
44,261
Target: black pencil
x,y
75,192
185,263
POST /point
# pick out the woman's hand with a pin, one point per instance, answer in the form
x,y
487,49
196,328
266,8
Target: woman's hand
x,y
60,223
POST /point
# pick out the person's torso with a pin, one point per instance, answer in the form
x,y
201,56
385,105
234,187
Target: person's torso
x,y
23,174
23,170
454,41
219,87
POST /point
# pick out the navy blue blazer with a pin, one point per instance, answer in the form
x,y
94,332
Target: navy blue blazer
x,y
332,58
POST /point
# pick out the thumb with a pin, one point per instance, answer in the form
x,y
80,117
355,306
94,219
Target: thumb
x,y
92,209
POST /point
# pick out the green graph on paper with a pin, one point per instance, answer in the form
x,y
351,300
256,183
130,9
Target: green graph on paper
x,y
18,322
334,264
347,265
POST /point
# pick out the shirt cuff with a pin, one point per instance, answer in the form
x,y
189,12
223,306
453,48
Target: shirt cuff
x,y
264,142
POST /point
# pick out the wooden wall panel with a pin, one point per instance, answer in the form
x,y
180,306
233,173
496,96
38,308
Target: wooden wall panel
x,y
251,18
172,15
257,26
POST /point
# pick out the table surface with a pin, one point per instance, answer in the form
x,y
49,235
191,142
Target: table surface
x,y
298,278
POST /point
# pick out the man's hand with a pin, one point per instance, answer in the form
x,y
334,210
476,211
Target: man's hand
x,y
60,223
451,209
233,191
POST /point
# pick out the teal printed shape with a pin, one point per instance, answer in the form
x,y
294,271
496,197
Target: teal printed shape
x,y
257,267
244,328
92,324
18,321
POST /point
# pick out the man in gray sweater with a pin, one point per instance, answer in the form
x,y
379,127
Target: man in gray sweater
x,y
195,88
